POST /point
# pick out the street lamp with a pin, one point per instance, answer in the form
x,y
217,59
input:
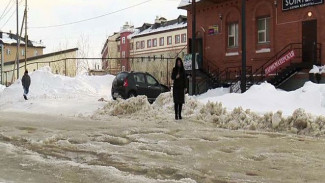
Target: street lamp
x,y
243,74
193,46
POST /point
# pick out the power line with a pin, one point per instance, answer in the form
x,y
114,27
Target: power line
x,y
4,12
12,14
84,20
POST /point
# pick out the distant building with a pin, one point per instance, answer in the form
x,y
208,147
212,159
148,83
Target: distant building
x,y
9,42
110,53
62,62
147,48
152,44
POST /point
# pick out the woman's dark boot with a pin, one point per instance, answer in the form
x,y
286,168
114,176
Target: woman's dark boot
x,y
176,111
180,111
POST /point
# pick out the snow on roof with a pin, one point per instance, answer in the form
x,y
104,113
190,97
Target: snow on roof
x,y
185,3
159,29
6,39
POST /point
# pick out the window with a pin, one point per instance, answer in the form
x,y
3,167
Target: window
x,y
161,41
169,40
139,78
149,43
137,45
118,48
35,53
177,39
154,43
8,51
151,80
23,52
142,45
233,35
123,54
263,30
123,40
131,46
183,38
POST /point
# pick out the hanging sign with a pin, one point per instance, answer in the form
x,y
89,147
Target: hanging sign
x,y
214,29
294,4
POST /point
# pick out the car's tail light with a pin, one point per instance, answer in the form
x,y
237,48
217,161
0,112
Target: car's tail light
x,y
126,82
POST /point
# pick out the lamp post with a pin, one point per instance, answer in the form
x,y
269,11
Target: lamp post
x,y
243,74
193,46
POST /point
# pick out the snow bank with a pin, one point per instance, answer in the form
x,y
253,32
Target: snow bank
x,y
51,93
2,87
267,114
317,70
266,98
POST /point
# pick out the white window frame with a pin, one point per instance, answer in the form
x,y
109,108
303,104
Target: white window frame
x,y
149,43
138,45
233,34
265,31
123,40
8,51
162,41
183,39
154,42
35,53
177,39
169,40
143,44
23,52
123,54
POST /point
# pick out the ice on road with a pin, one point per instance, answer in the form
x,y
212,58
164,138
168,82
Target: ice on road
x,y
37,148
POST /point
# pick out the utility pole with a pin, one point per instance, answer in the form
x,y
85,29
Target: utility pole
x,y
193,46
26,35
2,57
18,39
243,74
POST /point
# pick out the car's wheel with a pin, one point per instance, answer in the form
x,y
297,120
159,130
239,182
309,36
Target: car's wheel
x,y
132,94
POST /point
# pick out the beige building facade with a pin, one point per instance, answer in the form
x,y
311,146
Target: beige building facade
x,y
9,42
156,48
62,62
110,52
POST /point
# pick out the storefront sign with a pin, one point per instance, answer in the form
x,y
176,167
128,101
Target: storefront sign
x,y
284,59
214,29
294,4
188,62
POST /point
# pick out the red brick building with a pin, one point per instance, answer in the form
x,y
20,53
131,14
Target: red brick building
x,y
274,28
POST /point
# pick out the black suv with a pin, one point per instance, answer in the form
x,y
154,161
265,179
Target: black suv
x,y
131,84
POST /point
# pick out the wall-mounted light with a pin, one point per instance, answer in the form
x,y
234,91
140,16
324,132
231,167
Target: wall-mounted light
x,y
310,14
220,16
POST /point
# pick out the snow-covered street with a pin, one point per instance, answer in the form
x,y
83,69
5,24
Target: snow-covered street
x,y
36,148
70,130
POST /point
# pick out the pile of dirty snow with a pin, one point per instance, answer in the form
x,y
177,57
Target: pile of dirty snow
x,y
56,94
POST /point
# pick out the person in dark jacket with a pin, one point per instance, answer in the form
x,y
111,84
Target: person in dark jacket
x,y
179,87
26,83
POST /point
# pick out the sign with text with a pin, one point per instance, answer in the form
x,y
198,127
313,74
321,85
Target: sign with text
x,y
214,29
284,59
294,4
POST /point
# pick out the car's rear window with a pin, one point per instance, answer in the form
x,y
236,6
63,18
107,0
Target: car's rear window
x,y
121,76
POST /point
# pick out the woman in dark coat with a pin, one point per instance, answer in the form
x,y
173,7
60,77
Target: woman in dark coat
x,y
179,87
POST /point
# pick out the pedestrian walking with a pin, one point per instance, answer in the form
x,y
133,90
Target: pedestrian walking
x,y
179,87
26,83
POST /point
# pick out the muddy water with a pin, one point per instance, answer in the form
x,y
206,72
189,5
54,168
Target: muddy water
x,y
55,149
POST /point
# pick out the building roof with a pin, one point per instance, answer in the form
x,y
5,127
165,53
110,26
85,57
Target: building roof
x,y
180,22
11,39
185,3
43,56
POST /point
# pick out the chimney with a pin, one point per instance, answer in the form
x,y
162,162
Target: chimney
x,y
157,20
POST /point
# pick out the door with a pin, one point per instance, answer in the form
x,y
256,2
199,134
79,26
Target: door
x,y
154,88
140,84
309,41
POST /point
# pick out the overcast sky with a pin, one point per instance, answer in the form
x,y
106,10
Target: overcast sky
x,y
54,12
